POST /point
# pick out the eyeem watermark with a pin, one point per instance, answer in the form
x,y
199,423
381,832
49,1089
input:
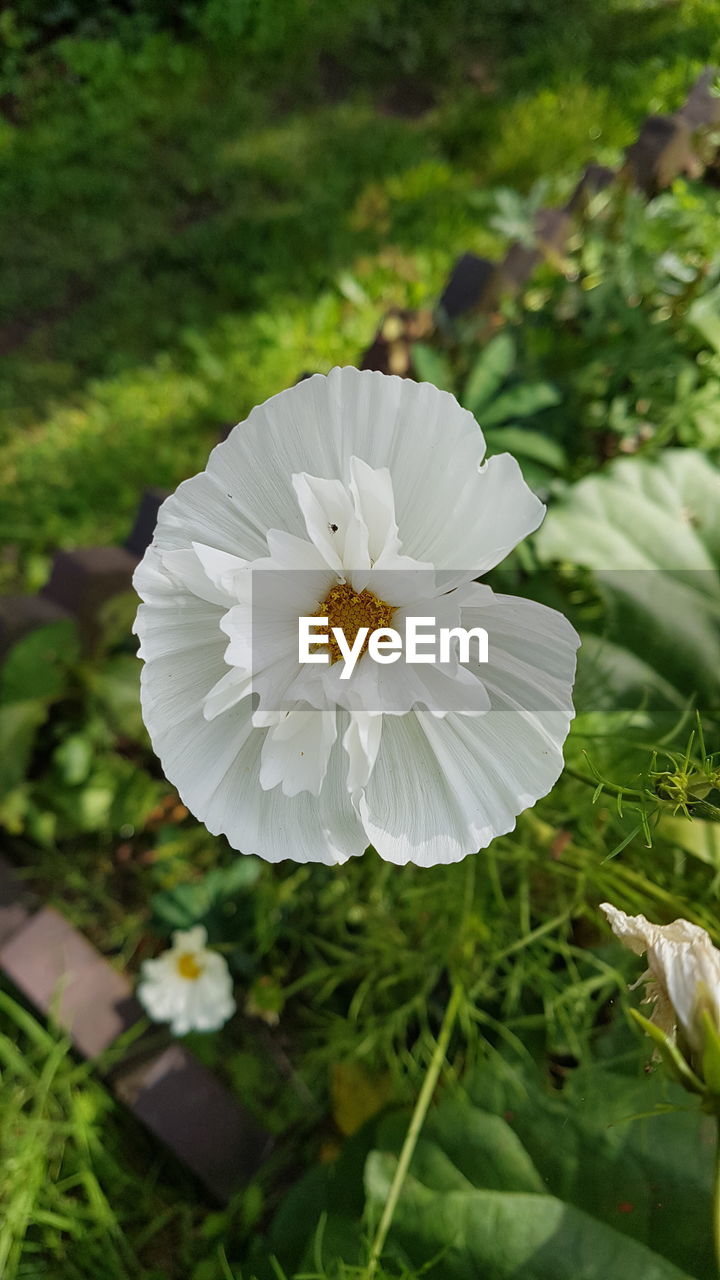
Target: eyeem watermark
x,y
386,645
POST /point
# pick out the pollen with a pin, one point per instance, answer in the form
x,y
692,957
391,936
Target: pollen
x,y
188,967
349,611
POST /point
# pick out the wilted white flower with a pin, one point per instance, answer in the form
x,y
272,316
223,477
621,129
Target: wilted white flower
x,y
682,978
362,498
188,986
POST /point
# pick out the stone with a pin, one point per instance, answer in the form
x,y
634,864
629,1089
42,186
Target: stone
x,y
141,534
83,580
469,286
199,1120
662,152
59,971
21,614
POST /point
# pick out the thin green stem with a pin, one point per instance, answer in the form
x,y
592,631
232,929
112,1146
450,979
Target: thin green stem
x,y
716,1201
416,1123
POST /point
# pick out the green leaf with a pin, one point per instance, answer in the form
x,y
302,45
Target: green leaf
x,y
116,685
481,1147
527,444
711,1054
522,401
608,1178
431,365
211,900
632,1150
650,533
136,796
503,1235
490,370
19,722
704,314
74,758
695,836
37,666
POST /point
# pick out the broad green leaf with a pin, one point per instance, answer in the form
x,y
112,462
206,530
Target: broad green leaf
x,y
482,1147
637,514
610,676
650,532
609,1178
334,1189
136,797
504,1235
631,1150
490,370
37,665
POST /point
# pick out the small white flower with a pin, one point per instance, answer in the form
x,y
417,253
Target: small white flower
x,y
683,974
367,497
188,986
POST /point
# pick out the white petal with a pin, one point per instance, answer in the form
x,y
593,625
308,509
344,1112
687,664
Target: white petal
x,y
411,810
362,743
495,511
331,522
186,569
230,689
266,632
683,963
532,657
229,573
305,828
291,552
444,507
443,788
193,939
296,752
375,505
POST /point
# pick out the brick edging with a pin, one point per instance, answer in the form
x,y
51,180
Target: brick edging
x,y
167,1088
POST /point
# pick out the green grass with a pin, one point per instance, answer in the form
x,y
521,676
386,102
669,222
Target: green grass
x,y
193,218
71,1201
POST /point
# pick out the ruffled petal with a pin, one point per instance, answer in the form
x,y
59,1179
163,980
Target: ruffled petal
x,y
296,751
332,524
361,741
375,505
443,788
304,827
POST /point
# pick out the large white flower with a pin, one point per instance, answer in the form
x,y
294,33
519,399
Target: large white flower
x,y
188,986
363,498
683,974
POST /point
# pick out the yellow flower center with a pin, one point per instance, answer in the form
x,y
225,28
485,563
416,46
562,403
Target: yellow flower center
x,y
350,610
188,967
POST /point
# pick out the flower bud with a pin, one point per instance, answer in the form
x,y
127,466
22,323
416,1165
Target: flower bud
x,y
683,985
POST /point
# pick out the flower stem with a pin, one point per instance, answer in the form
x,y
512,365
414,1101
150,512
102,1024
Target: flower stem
x,y
416,1123
716,1201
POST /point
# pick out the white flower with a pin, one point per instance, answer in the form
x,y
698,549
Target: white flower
x,y
367,498
683,974
188,986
